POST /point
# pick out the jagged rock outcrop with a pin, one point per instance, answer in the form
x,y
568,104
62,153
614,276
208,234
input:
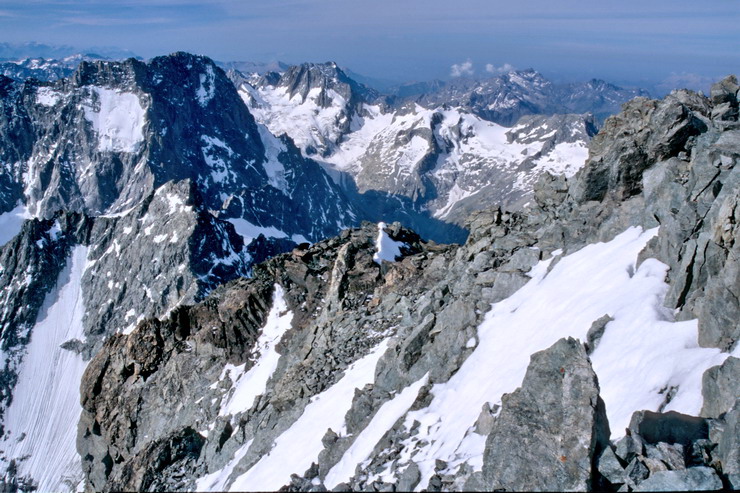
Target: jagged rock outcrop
x,y
549,430
720,388
102,140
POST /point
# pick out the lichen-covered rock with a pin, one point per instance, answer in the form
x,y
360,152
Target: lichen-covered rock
x,y
551,428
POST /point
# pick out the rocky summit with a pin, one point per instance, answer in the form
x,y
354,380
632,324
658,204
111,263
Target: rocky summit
x,y
184,307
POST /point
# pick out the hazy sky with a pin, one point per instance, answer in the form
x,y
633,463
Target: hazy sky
x,y
629,40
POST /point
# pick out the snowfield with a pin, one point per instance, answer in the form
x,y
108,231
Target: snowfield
x,y
253,383
118,120
41,422
11,223
300,444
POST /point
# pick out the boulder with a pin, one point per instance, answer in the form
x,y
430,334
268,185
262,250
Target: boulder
x,y
670,427
551,428
727,452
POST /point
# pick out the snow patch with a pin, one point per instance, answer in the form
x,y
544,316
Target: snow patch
x,y
455,195
55,231
252,383
273,167
207,88
117,118
386,249
46,96
46,399
363,446
216,481
299,445
249,231
11,223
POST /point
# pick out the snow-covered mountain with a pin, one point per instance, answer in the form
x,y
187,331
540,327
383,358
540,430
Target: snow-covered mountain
x,y
143,187
442,160
103,140
44,69
506,98
588,342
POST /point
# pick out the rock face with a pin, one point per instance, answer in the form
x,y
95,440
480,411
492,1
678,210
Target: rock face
x,y
720,388
550,429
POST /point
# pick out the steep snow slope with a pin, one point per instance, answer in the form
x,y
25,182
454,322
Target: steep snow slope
x,y
250,384
11,223
41,423
298,446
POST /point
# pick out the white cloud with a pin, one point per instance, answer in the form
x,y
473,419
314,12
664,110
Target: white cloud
x,y
460,69
503,69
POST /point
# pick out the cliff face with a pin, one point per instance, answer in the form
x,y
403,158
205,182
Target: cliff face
x,y
375,361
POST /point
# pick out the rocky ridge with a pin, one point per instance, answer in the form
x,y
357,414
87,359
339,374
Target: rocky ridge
x,y
392,344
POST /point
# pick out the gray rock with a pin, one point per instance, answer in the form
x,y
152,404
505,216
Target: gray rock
x,y
720,387
670,427
724,91
409,478
596,332
610,467
637,471
550,428
672,455
550,190
629,447
728,450
692,479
